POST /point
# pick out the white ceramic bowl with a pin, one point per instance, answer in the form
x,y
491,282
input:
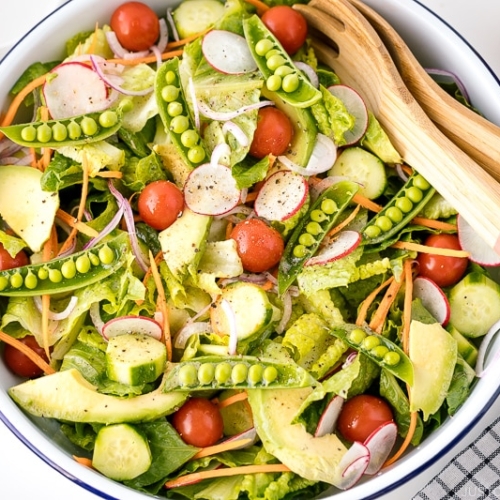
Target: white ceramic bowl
x,y
437,45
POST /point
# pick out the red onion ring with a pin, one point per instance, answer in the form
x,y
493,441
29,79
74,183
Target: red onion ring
x,y
223,116
309,72
236,132
60,315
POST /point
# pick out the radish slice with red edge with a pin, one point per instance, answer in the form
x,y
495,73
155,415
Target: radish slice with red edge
x,y
282,196
380,443
227,52
479,251
211,190
73,89
433,298
356,106
132,324
352,466
247,438
340,246
329,417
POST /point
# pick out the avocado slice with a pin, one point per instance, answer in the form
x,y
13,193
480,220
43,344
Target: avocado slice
x,y
25,207
67,395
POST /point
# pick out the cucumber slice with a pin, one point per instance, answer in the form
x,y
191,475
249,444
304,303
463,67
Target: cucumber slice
x,y
135,358
121,452
194,16
365,168
474,304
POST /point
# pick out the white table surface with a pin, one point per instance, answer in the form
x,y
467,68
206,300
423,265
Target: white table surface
x,y
23,476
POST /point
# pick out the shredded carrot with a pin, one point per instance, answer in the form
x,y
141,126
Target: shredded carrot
x,y
225,472
94,40
415,247
33,162
229,228
377,322
73,222
30,353
157,259
251,196
240,396
434,224
344,223
366,203
227,445
110,174
49,251
162,306
185,41
363,310
147,59
83,461
267,285
261,6
406,442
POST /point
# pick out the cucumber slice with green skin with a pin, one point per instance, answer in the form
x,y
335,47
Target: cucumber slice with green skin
x,y
474,305
135,359
362,167
121,452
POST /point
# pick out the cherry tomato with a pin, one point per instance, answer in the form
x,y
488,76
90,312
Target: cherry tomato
x,y
443,270
287,25
136,26
160,203
8,262
361,415
273,133
259,246
198,422
19,363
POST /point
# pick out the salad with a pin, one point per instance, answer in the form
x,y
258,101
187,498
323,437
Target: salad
x,y
216,271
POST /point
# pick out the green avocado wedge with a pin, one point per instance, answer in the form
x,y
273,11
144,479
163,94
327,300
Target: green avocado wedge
x,y
66,395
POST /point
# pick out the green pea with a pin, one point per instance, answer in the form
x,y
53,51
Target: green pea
x,y
421,183
31,281
328,206
223,372
179,124
371,342
307,240
83,264
126,105
357,336
89,126
318,215
275,61
263,46
283,70
43,133
4,282
196,154
188,375
106,255
392,358
372,231
270,374
170,77
384,223
273,83
170,93
290,83
380,351
43,273
272,53
255,373
16,280
404,204
414,194
175,108
108,119
314,228
94,259
239,373
395,214
55,276
206,373
28,133
60,132
189,138
299,251
74,131
68,269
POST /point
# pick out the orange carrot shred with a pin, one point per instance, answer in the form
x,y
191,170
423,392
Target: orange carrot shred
x,y
110,174
185,41
240,396
377,322
434,224
406,442
344,223
219,448
147,59
363,311
261,6
73,222
87,462
366,203
49,251
416,247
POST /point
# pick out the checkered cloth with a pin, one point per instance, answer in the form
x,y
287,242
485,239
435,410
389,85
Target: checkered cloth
x,y
473,475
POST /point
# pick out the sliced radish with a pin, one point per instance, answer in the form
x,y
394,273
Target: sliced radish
x,y
479,251
211,190
227,52
132,324
433,298
73,89
352,466
247,438
341,245
282,196
380,443
328,419
356,106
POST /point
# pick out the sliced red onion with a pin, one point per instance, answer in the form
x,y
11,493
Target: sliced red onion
x,y
309,72
233,333
349,360
115,45
243,195
237,133
223,116
316,189
113,223
219,152
95,316
60,315
481,370
454,77
157,53
171,23
401,173
69,250
8,148
239,209
191,328
163,38
287,313
196,108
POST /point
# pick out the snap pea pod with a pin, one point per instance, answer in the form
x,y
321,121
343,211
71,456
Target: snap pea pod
x,y
311,230
279,71
247,372
378,348
78,130
68,273
400,210
174,113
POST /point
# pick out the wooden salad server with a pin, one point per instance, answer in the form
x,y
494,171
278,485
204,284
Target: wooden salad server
x,y
363,62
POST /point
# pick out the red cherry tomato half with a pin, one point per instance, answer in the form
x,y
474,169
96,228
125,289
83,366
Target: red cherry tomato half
x,y
160,203
287,25
259,246
198,422
361,415
273,133
136,26
19,363
8,262
443,270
